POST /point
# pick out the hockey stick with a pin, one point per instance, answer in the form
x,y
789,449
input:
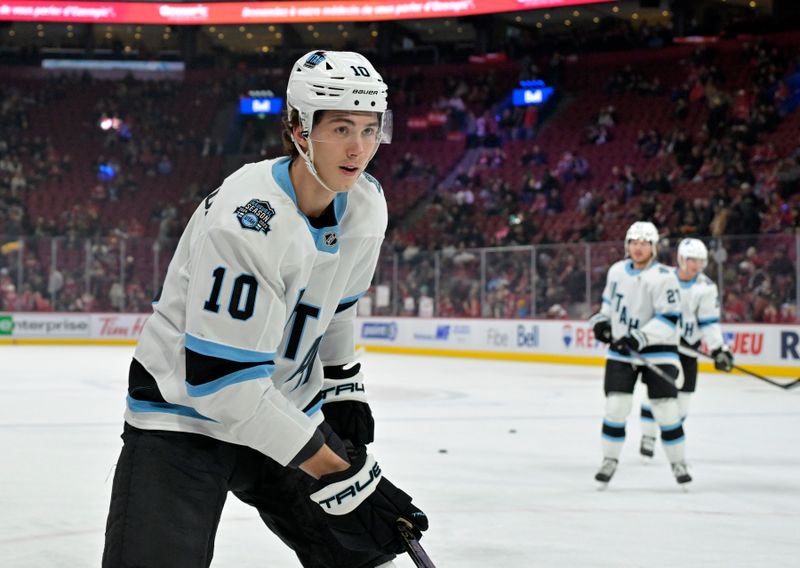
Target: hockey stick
x,y
784,386
652,366
413,547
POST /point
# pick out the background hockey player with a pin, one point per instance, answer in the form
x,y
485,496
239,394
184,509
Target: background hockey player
x,y
226,388
700,317
640,312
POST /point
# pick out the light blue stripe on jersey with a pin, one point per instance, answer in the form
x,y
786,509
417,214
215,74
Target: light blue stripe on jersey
x,y
614,356
221,351
613,439
708,321
661,354
349,299
664,319
150,406
257,372
313,410
614,424
606,300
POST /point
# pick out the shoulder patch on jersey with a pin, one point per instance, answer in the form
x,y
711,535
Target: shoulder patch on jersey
x,y
255,215
663,270
373,181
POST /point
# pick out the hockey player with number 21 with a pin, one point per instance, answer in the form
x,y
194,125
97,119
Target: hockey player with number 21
x,y
244,379
640,312
700,317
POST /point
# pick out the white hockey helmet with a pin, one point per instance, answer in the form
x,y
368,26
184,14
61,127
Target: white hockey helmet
x,y
692,248
336,80
642,231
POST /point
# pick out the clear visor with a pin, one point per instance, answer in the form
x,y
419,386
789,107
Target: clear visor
x,y
365,128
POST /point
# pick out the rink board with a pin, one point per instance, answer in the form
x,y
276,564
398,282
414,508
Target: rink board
x,y
772,349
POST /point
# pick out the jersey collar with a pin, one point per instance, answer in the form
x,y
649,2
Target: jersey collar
x,y
686,283
325,238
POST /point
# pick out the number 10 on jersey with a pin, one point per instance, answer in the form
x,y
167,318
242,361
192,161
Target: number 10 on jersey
x,y
235,307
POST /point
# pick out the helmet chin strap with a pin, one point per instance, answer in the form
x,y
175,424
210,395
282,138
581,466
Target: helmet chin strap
x,y
308,158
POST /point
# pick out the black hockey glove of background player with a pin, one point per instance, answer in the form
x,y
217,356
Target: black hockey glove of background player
x,y
635,341
362,507
602,331
345,407
723,359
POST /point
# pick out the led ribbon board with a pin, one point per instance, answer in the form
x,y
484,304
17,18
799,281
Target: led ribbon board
x,y
263,12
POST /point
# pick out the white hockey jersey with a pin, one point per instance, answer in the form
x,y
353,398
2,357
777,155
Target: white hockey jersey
x,y
647,300
700,313
255,301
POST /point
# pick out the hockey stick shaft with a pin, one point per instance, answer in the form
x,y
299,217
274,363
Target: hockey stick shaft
x,y
413,547
785,386
652,366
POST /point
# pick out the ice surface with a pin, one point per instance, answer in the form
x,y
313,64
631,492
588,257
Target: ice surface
x,y
495,498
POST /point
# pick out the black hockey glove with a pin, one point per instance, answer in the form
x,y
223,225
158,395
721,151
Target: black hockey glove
x,y
345,407
363,507
635,341
602,331
723,359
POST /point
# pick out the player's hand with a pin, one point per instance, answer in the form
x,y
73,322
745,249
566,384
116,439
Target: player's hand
x,y
345,407
602,331
633,342
723,359
362,507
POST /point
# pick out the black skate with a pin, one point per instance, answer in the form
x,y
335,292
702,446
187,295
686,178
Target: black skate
x,y
681,473
648,446
606,471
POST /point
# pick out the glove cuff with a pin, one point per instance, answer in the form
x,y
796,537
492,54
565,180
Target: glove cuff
x,y
344,496
350,388
597,318
640,338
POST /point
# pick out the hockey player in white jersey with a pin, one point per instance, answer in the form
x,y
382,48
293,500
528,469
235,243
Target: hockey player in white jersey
x,y
700,317
639,320
244,378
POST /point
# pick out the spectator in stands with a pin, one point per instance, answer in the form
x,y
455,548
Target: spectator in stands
x,y
533,156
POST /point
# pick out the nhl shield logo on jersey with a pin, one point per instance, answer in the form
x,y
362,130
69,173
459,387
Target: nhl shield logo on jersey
x,y
330,239
255,215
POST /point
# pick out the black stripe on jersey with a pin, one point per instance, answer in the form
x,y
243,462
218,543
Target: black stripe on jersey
x,y
695,345
647,414
142,385
202,369
345,305
613,431
659,349
313,403
673,318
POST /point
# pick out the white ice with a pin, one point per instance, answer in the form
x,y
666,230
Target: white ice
x,y
501,456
